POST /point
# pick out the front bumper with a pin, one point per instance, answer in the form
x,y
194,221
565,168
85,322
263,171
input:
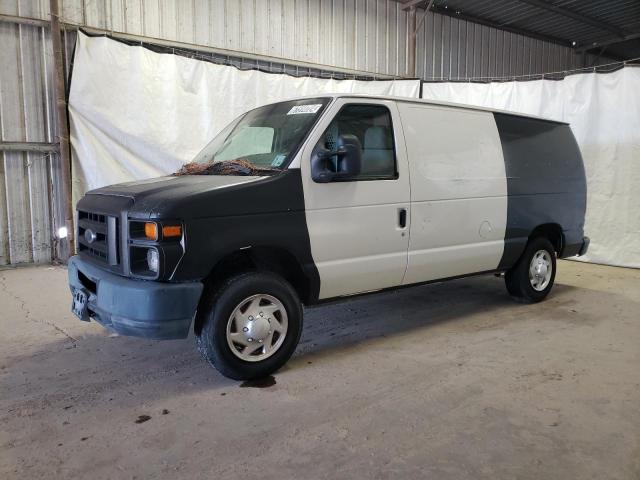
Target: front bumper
x,y
138,308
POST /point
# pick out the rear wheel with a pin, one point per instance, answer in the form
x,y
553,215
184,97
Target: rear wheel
x,y
531,279
251,325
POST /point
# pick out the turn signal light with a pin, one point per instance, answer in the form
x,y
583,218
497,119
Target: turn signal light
x,y
169,231
151,231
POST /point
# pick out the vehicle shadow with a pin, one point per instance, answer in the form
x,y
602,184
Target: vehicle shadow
x,y
97,367
343,324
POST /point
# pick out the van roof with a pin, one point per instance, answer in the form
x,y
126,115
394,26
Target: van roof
x,y
428,102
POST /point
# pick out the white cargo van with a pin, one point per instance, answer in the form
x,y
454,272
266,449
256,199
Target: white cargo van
x,y
313,199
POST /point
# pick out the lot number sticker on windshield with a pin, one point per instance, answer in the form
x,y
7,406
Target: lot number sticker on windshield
x,y
304,109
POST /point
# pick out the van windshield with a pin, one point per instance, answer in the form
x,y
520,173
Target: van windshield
x,y
259,142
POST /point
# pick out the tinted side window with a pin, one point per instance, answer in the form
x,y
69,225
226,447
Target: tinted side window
x,y
372,125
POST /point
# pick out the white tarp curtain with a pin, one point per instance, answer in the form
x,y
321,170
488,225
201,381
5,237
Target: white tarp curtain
x,y
604,113
137,114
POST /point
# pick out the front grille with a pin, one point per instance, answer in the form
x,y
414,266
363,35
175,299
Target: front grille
x,y
98,236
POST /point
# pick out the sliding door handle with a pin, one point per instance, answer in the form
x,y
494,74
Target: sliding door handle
x,y
402,217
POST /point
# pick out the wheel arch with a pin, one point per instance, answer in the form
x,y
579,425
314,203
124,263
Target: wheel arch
x,y
552,232
272,259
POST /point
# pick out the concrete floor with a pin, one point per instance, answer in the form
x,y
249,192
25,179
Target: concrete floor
x,y
448,381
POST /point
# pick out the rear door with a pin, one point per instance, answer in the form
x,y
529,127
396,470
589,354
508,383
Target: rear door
x,y
359,229
458,191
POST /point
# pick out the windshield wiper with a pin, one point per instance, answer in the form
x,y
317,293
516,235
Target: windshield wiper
x,y
226,167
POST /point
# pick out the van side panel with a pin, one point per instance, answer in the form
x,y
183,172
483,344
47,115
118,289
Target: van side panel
x,y
458,191
545,182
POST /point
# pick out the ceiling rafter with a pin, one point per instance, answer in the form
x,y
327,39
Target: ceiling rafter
x,y
411,3
541,4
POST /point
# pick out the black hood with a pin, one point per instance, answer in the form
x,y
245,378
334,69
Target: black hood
x,y
199,196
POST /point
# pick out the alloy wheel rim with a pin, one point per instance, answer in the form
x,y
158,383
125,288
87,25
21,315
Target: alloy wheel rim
x,y
540,270
257,327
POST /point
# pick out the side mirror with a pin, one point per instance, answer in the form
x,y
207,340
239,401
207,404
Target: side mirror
x,y
349,161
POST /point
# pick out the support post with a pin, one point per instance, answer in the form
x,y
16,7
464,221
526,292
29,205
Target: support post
x,y
411,48
63,129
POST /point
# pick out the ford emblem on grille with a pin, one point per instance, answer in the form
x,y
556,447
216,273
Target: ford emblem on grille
x,y
90,236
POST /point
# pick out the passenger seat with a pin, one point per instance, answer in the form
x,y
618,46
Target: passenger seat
x,y
377,152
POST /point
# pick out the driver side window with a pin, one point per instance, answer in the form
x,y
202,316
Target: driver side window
x,y
371,124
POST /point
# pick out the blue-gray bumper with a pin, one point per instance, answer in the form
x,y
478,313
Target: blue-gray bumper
x,y
138,308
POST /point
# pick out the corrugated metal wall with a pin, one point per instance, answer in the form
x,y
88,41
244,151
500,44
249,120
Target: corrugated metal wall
x,y
365,36
26,108
449,48
359,35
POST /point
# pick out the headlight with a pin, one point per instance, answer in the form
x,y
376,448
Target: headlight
x,y
153,260
154,231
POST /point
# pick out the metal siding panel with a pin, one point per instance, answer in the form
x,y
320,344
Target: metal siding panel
x,y
186,23
18,212
201,25
9,7
151,18
360,59
345,33
437,46
169,19
39,205
262,27
486,53
34,103
33,84
72,10
289,37
118,20
301,42
96,14
4,221
491,52
324,34
454,51
513,54
29,8
504,59
217,20
537,57
247,26
133,15
477,50
445,46
403,20
381,36
421,49
315,51
466,46
370,35
274,36
232,25
392,38
57,201
25,115
10,86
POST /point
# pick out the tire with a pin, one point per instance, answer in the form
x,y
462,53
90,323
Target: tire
x,y
520,285
224,341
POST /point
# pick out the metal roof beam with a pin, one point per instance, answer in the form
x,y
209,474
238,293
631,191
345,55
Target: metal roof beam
x,y
607,43
574,15
411,3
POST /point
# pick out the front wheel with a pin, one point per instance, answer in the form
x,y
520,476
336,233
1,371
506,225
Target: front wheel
x,y
531,279
251,325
